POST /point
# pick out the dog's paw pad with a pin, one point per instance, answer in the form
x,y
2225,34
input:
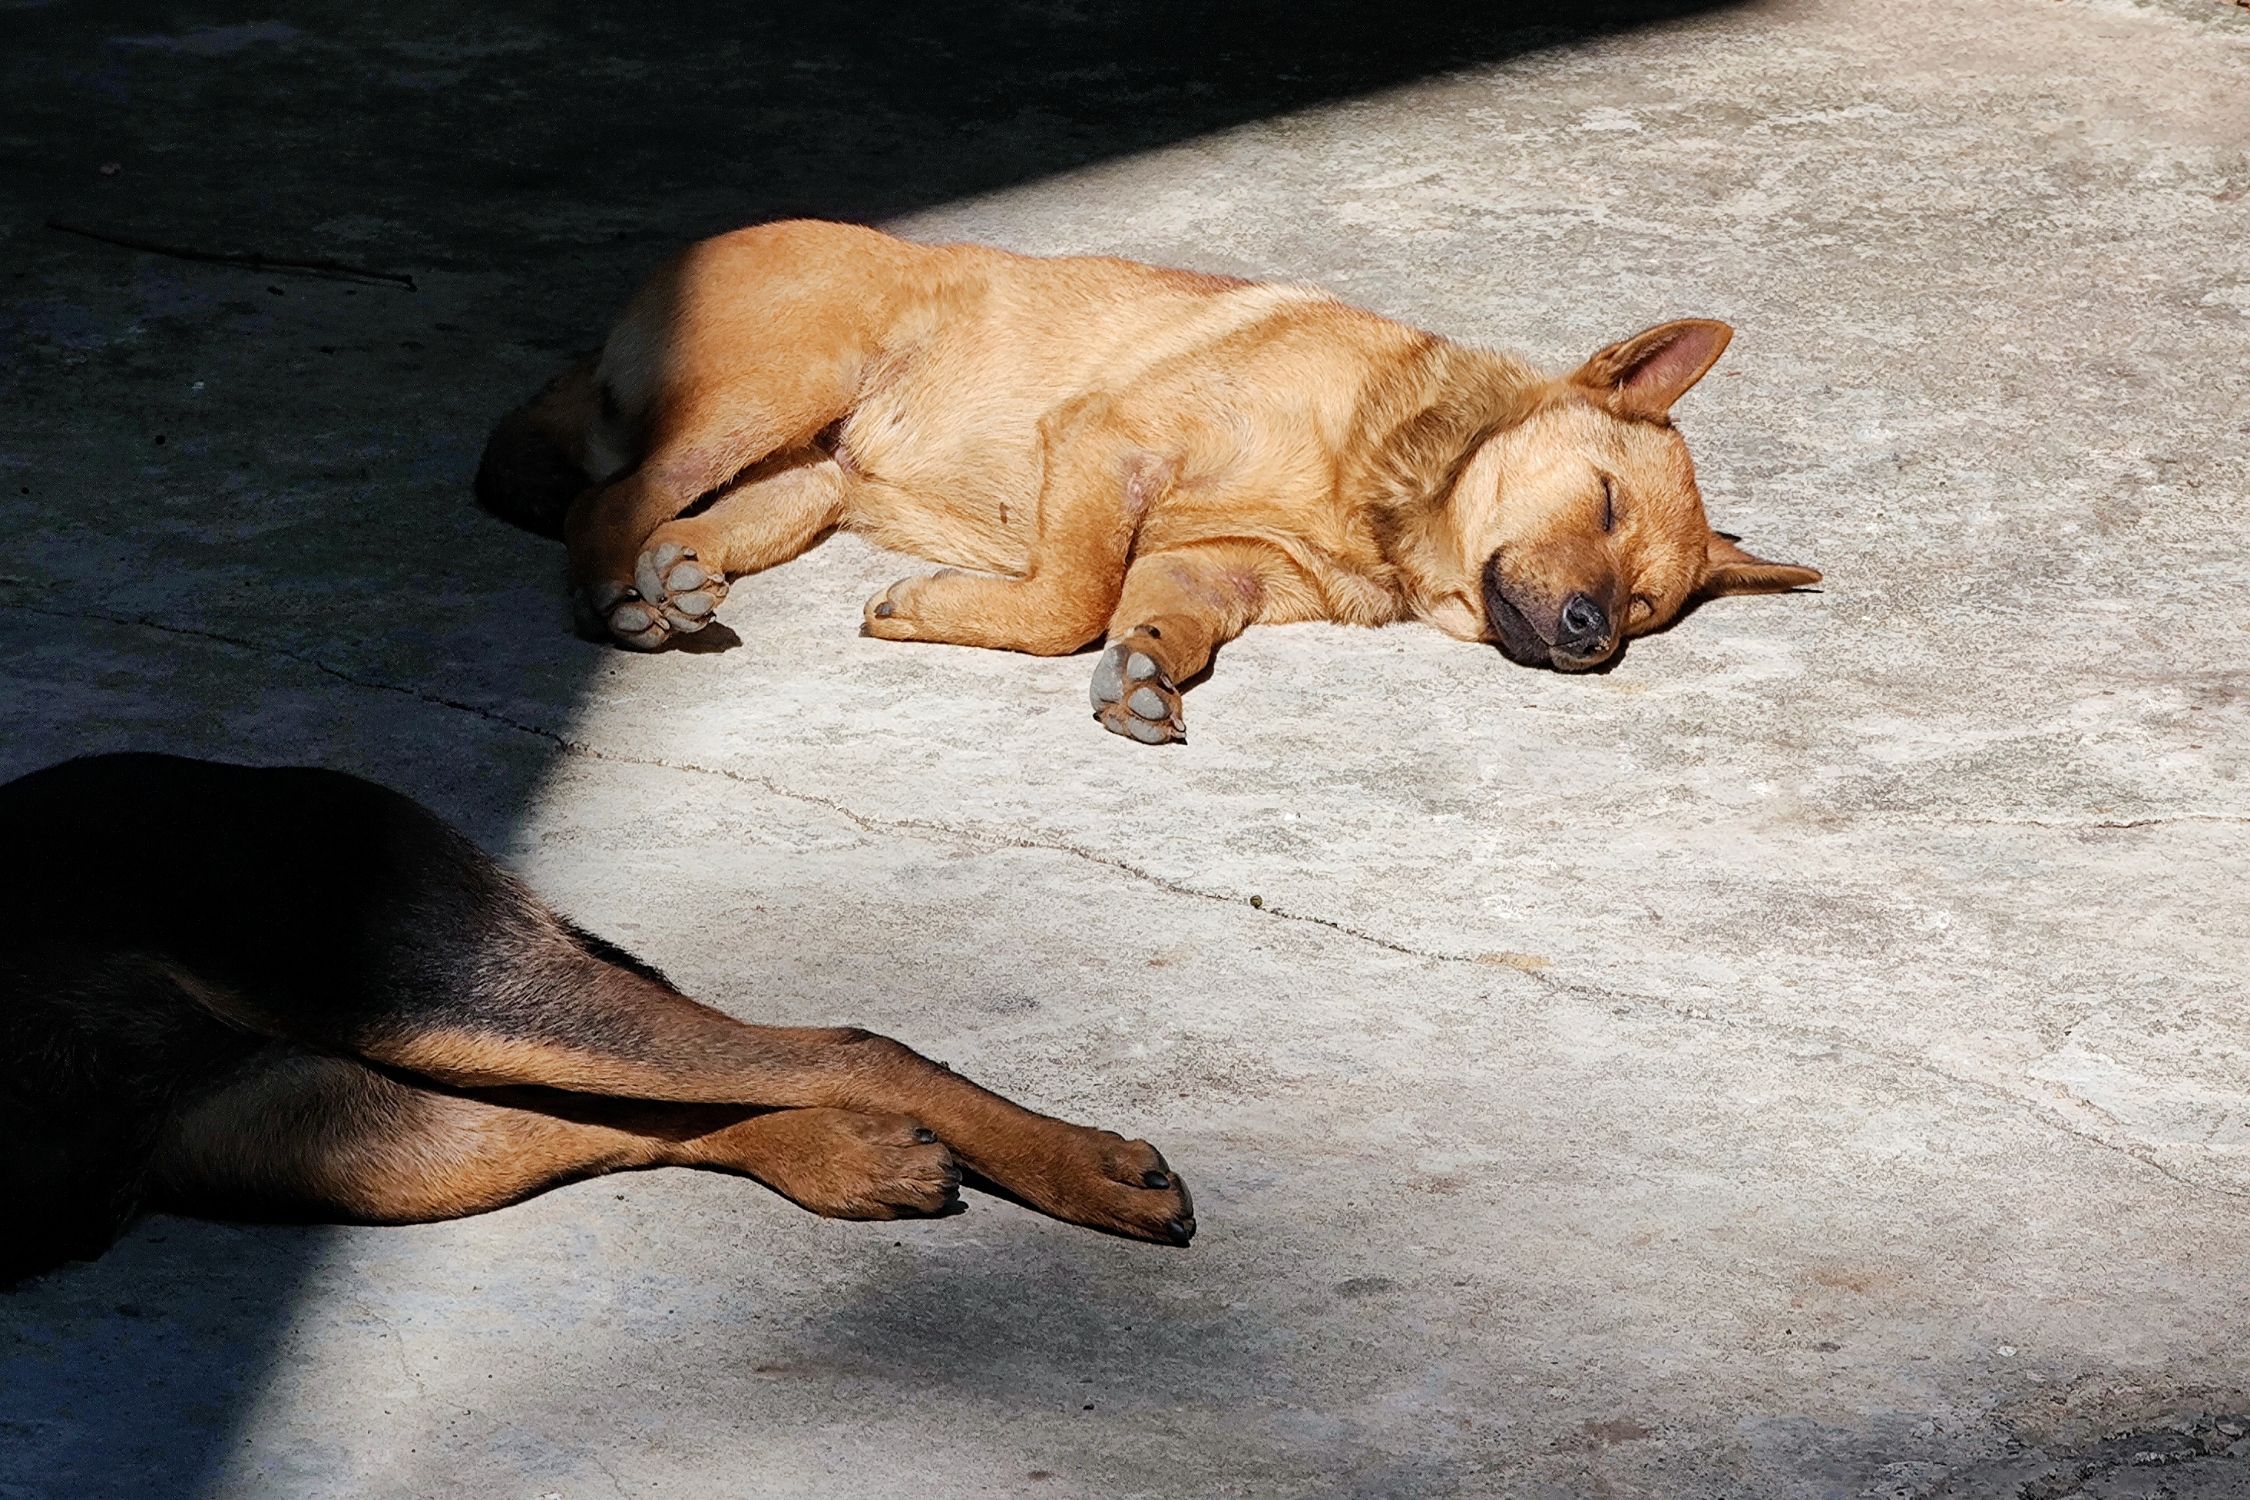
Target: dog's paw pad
x,y
1133,696
679,586
880,617
617,611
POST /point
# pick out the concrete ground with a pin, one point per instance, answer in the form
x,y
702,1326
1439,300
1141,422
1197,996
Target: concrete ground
x,y
1808,1060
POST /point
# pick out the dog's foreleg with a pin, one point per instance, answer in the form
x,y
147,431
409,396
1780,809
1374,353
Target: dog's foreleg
x,y
1098,484
295,1133
1178,606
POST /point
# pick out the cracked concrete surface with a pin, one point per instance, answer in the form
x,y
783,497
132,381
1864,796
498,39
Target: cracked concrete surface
x,y
1808,1060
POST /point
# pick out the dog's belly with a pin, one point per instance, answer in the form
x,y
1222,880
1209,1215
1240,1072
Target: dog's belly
x,y
946,445
953,482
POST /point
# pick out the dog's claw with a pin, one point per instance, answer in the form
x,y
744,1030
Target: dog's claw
x,y
1133,696
1099,1178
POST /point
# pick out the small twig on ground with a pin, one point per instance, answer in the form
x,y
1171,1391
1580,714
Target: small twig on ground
x,y
334,270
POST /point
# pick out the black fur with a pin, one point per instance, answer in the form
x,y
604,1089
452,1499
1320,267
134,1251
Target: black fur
x,y
155,910
530,471
526,478
1511,628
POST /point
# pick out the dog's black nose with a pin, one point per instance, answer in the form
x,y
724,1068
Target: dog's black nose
x,y
1584,623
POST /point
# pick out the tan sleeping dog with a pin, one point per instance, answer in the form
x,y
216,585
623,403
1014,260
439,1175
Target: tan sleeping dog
x,y
1156,458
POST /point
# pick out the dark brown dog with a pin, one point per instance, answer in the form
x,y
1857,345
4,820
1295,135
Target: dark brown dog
x,y
255,993
1155,458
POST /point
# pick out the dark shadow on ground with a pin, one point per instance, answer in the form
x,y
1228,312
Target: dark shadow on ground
x,y
526,165
571,126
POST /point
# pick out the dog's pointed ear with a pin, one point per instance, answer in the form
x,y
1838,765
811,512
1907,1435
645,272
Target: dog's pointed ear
x,y
1645,374
1730,570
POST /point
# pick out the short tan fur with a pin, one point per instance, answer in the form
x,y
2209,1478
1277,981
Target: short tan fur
x,y
1110,451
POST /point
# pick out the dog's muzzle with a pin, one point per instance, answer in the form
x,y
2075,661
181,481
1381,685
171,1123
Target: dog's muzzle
x,y
1511,627
1585,636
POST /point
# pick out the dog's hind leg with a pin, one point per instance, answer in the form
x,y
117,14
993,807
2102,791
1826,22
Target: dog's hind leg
x,y
768,516
592,1028
704,448
501,994
1178,606
299,1134
319,910
1098,483
746,346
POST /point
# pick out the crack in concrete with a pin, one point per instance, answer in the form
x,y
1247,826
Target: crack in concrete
x,y
398,1346
866,823
2036,1113
2066,825
594,1457
1999,1093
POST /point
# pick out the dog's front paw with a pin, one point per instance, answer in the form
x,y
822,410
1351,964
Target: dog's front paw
x,y
1134,696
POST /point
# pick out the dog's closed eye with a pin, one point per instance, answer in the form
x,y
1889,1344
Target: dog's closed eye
x,y
1609,503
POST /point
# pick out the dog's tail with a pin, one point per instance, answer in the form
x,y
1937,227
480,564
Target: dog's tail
x,y
535,463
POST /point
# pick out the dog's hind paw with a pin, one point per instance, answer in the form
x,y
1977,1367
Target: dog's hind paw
x,y
843,1164
1134,696
672,592
616,612
1100,1179
686,589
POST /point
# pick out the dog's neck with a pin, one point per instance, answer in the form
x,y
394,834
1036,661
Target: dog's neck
x,y
1422,426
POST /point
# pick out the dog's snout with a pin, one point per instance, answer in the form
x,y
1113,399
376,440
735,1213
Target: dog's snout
x,y
1584,622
